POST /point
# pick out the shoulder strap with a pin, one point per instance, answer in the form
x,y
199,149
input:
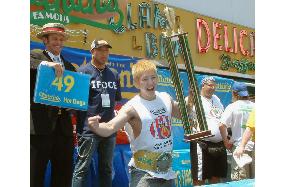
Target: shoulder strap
x,y
47,56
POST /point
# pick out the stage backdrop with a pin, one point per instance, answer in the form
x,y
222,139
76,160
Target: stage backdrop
x,y
123,64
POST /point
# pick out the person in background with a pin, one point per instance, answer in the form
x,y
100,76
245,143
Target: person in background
x,y
209,156
51,133
235,116
248,135
147,118
103,94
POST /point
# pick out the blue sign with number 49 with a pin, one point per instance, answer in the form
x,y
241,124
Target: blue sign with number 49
x,y
68,91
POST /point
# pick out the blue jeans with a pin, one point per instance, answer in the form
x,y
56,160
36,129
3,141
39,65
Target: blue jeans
x,y
87,146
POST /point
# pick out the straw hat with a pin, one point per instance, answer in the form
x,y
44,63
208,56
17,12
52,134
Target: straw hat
x,y
50,28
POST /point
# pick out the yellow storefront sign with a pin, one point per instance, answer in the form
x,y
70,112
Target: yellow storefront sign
x,y
134,28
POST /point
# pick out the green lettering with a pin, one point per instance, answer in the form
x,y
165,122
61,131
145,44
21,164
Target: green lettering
x,y
70,5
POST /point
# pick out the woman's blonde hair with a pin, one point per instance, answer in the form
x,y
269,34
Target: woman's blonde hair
x,y
140,67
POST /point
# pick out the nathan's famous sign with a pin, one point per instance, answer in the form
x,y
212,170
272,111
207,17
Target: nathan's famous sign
x,y
75,11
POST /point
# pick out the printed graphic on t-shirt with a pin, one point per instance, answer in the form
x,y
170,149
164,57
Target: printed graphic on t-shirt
x,y
158,111
161,127
246,108
216,112
161,145
96,84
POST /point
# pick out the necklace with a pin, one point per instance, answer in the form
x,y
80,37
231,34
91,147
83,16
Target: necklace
x,y
210,101
100,70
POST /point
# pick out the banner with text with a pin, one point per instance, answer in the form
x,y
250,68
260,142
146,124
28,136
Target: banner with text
x,y
68,91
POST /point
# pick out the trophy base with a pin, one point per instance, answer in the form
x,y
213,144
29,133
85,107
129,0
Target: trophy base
x,y
197,136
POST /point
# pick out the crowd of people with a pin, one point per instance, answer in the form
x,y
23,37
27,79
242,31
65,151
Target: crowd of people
x,y
146,118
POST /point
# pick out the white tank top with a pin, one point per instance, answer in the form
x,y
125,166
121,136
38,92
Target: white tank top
x,y
156,132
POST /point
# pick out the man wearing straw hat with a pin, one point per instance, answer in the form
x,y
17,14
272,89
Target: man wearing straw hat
x,y
50,127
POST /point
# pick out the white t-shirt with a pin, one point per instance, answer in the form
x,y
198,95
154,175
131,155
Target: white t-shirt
x,y
213,110
235,116
156,133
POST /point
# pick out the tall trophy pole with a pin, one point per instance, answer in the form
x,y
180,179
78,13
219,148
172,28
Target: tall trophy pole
x,y
177,85
201,128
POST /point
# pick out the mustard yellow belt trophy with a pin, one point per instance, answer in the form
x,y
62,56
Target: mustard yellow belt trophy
x,y
201,130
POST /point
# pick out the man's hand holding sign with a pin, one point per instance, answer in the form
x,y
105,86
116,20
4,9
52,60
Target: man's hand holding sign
x,y
57,67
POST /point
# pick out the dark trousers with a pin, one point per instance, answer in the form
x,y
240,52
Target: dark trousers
x,y
59,150
194,160
212,165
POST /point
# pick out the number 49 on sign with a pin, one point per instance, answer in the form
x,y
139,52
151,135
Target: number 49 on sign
x,y
68,81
